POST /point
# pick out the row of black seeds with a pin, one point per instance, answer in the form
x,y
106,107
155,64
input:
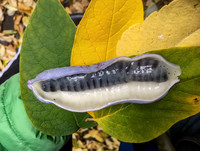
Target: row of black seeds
x,y
118,73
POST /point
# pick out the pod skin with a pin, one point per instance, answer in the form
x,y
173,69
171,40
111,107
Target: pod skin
x,y
142,79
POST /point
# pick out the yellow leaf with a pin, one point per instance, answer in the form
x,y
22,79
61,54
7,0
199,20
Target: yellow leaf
x,y
177,24
102,27
192,40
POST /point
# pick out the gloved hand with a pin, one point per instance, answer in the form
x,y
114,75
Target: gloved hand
x,y
16,131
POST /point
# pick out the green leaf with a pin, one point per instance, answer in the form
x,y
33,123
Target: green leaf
x,y
143,122
81,120
47,43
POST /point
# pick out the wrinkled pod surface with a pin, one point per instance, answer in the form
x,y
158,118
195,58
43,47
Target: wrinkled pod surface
x,y
142,79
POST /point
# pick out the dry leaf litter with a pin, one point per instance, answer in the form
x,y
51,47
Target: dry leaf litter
x,y
14,17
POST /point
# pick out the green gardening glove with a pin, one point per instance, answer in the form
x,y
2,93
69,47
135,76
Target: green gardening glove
x,y
16,131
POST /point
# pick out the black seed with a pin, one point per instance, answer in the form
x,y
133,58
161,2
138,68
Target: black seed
x,y
97,83
90,83
94,79
139,63
63,84
77,85
128,67
53,85
85,84
71,85
119,65
62,87
45,86
123,74
68,87
75,88
82,86
93,83
155,64
158,78
165,76
87,79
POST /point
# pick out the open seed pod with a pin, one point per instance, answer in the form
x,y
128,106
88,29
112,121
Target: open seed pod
x,y
142,79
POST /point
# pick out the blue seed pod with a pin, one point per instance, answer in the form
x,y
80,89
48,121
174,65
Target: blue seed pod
x,y
142,79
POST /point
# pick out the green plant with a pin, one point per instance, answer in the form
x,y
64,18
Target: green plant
x,y
117,30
